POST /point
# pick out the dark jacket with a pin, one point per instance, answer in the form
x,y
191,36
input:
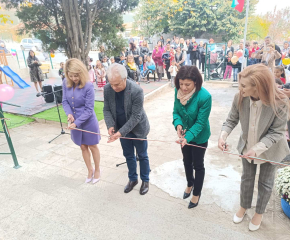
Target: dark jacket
x,y
134,75
144,51
137,121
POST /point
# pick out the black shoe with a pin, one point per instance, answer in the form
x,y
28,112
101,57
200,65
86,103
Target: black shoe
x,y
129,187
38,94
147,82
193,205
186,195
144,188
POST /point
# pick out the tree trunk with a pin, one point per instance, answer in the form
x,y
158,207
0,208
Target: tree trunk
x,y
77,39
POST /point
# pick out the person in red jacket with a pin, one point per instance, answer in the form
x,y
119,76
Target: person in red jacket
x,y
157,58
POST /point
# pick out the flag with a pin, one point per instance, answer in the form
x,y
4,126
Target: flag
x,y
238,5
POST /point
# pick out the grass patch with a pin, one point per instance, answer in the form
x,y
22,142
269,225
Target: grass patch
x,y
52,115
15,121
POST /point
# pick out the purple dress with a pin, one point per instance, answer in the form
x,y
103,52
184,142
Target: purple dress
x,y
79,102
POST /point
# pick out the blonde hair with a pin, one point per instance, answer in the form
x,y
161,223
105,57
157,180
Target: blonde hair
x,y
263,79
75,66
99,63
181,39
146,44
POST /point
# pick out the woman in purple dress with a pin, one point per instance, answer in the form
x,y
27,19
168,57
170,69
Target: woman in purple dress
x,y
78,103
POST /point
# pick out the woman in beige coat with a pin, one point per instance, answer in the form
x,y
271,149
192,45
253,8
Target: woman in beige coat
x,y
262,110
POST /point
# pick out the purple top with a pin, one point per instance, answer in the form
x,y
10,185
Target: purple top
x,y
79,102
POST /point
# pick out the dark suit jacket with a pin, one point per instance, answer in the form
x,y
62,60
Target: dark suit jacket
x,y
137,121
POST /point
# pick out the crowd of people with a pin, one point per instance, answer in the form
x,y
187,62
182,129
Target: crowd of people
x,y
168,56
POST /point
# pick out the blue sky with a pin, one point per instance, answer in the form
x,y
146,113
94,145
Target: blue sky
x,y
268,5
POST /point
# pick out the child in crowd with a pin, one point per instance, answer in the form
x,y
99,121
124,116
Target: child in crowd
x,y
173,71
101,75
279,73
105,63
149,67
112,60
122,60
229,66
236,66
61,71
141,67
92,75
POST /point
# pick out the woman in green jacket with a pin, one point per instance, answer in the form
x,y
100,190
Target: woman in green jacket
x,y
191,111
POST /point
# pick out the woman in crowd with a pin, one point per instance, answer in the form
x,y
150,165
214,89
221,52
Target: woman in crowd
x,y
101,54
183,48
191,111
200,50
179,58
78,104
193,51
36,75
167,57
144,50
188,62
262,110
133,69
157,57
161,39
230,47
236,66
100,72
269,55
149,67
133,50
285,49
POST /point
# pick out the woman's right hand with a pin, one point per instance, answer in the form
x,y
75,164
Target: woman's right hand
x,y
180,132
70,118
222,145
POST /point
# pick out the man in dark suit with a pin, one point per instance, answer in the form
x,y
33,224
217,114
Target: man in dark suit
x,y
125,117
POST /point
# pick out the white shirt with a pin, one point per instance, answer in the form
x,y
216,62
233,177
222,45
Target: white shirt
x,y
252,141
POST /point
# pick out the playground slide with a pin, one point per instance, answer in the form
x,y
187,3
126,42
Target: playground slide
x,y
14,76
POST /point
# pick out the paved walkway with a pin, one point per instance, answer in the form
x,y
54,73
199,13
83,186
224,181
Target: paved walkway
x,y
47,199
30,104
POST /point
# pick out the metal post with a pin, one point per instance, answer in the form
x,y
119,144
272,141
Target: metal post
x,y
51,62
245,33
7,134
18,59
24,58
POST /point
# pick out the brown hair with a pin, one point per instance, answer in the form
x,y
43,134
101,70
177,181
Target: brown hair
x,y
263,79
283,75
191,73
75,66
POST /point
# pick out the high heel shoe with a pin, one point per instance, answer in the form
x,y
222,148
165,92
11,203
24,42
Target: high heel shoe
x,y
193,205
253,227
186,195
98,179
88,180
237,219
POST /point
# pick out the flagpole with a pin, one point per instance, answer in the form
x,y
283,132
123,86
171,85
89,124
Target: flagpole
x,y
245,33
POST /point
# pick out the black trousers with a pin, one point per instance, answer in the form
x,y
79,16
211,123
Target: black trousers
x,y
168,73
193,61
193,158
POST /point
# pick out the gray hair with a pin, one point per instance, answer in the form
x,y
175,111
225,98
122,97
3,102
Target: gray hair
x,y
116,69
268,37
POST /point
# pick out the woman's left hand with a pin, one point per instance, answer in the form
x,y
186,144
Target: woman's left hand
x,y
250,154
181,141
73,125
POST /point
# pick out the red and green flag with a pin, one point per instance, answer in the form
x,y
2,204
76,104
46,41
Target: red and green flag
x,y
238,5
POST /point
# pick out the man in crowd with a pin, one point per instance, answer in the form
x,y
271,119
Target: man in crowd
x,y
125,117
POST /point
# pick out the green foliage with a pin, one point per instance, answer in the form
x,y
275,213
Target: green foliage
x,y
191,17
45,20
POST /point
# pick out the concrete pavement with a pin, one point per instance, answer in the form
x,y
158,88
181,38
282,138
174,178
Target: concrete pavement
x,y
47,198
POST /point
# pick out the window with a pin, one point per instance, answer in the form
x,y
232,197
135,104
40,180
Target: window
x,y
30,41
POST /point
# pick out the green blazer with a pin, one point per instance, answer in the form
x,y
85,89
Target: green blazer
x,y
193,116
